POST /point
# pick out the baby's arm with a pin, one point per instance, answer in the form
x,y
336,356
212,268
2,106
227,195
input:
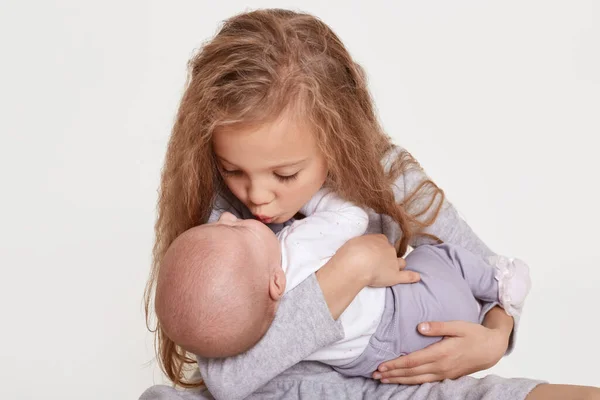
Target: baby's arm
x,y
308,243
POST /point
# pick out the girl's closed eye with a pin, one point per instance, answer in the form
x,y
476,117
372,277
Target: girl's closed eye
x,y
235,172
286,178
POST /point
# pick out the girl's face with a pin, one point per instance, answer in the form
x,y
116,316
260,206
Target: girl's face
x,y
273,169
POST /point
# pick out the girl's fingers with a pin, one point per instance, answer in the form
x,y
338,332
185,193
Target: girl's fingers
x,y
425,356
408,277
401,263
449,328
406,372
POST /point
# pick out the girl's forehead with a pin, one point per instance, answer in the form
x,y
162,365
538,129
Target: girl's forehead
x,y
279,141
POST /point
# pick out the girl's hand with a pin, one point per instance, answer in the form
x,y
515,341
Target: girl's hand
x,y
466,348
376,260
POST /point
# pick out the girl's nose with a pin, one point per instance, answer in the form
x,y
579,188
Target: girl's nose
x,y
259,196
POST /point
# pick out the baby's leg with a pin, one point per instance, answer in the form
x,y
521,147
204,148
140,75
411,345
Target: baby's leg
x,y
442,294
478,274
506,281
451,282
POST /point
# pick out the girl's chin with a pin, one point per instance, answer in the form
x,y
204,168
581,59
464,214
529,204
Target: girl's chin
x,y
280,219
286,217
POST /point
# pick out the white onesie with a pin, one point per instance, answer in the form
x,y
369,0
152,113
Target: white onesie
x,y
452,280
307,244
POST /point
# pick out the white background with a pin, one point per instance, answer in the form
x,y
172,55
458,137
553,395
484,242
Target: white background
x,y
500,101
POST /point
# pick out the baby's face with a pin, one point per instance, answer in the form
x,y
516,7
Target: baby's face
x,y
257,235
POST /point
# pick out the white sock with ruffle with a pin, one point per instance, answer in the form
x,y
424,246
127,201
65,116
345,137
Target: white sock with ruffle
x,y
514,283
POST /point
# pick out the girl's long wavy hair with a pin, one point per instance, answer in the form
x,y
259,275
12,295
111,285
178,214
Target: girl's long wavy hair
x,y
260,64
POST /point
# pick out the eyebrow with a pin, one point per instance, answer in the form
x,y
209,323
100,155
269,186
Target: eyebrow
x,y
290,164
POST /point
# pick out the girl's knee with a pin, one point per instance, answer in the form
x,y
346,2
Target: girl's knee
x,y
558,392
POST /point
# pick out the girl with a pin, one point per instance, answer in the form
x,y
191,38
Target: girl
x,y
275,109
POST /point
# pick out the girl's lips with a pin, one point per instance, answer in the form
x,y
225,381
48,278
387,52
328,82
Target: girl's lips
x,y
264,219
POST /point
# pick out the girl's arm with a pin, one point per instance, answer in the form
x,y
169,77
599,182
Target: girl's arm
x,y
467,347
306,318
302,325
450,227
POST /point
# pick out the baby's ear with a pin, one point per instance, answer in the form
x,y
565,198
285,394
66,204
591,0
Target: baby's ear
x,y
277,284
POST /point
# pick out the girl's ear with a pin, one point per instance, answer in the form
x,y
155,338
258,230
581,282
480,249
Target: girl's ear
x,y
277,284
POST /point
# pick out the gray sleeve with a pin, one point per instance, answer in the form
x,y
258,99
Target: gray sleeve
x,y
222,204
164,392
449,226
302,325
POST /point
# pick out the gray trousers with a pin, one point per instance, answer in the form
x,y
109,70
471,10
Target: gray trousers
x,y
314,381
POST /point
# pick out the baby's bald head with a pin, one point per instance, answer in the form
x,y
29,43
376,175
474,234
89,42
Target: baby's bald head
x,y
214,296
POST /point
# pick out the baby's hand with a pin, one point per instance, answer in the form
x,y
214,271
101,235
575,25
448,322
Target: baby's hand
x,y
376,258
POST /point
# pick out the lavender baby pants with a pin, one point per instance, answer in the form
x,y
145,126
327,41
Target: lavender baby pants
x,y
452,281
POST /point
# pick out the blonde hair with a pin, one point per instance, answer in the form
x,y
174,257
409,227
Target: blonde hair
x,y
259,64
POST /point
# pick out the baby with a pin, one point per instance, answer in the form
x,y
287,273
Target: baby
x,y
220,284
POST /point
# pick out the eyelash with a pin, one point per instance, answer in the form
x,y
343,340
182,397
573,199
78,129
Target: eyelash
x,y
230,173
287,178
281,178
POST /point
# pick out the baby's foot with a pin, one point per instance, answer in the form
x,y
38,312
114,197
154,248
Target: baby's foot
x,y
514,283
